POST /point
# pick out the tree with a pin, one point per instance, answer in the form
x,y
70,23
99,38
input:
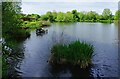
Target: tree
x,y
92,16
36,16
75,15
60,17
44,17
81,16
11,30
97,17
117,15
11,20
50,16
64,17
54,13
107,14
68,17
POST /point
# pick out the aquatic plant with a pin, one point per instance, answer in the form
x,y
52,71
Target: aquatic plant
x,y
76,53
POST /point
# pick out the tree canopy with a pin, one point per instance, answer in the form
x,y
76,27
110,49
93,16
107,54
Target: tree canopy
x,y
11,20
106,14
75,16
117,15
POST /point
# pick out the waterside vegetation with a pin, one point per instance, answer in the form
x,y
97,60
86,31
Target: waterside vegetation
x,y
11,30
75,53
74,16
15,27
35,20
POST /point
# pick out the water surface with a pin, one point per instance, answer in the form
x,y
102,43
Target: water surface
x,y
104,38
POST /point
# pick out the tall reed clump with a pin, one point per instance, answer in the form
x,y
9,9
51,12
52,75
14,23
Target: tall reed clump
x,y
76,53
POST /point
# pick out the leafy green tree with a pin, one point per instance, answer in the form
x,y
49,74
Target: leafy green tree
x,y
11,20
117,15
22,15
97,17
81,16
64,17
92,16
54,13
107,14
50,16
60,17
68,17
75,15
11,30
36,16
44,17
86,17
101,17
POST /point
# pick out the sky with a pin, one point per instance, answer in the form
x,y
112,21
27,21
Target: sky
x,y
69,0
41,7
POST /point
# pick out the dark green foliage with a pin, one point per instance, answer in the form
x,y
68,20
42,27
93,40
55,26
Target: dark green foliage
x,y
75,15
44,17
76,53
11,30
11,21
54,15
50,16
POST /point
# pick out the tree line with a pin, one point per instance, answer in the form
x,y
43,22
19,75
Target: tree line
x,y
11,14
75,16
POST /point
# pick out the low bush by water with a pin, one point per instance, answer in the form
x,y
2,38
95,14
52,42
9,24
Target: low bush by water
x,y
35,24
76,53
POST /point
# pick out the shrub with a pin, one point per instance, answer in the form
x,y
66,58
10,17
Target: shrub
x,y
35,24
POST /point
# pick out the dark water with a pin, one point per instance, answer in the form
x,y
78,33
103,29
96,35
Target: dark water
x,y
104,37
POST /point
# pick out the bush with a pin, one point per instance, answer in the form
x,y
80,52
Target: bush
x,y
35,24
76,53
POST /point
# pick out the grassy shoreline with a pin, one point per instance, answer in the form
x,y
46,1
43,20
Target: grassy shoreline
x,y
37,24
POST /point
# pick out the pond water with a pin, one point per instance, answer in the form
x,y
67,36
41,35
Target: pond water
x,y
104,38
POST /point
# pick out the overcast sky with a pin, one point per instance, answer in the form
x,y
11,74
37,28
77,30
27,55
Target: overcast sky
x,y
41,7
70,0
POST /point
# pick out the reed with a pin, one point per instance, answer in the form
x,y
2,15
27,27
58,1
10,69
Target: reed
x,y
76,53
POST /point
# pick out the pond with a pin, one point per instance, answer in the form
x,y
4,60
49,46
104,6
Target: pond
x,y
104,38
